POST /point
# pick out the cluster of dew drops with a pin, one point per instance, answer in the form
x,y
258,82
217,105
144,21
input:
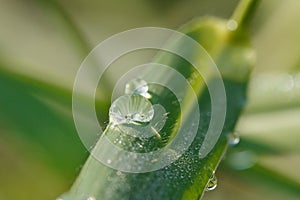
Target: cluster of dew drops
x,y
134,107
135,113
233,139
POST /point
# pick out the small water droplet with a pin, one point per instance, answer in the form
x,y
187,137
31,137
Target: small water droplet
x,y
213,183
91,198
137,86
108,161
232,25
233,139
131,109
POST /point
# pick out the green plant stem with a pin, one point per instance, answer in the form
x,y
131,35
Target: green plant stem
x,y
244,12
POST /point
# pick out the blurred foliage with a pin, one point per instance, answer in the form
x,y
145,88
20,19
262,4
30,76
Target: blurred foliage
x,y
42,44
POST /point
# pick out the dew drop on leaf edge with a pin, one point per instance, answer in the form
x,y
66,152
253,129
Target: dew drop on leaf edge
x,y
213,183
233,139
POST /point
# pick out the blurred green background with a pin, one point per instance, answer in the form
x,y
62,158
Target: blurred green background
x,y
42,44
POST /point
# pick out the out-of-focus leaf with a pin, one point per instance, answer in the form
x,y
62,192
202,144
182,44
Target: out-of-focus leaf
x,y
269,178
39,124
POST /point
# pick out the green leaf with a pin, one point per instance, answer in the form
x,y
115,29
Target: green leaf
x,y
188,176
25,113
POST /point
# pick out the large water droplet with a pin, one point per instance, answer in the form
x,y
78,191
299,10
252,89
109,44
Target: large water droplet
x,y
233,139
131,109
213,183
146,130
137,86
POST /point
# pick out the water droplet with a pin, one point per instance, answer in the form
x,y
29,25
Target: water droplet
x,y
232,25
233,139
137,86
141,125
91,198
131,109
213,183
108,161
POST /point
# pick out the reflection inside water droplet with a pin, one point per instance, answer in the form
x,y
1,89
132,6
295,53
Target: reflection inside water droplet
x,y
131,109
233,139
137,86
213,183
134,115
146,130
